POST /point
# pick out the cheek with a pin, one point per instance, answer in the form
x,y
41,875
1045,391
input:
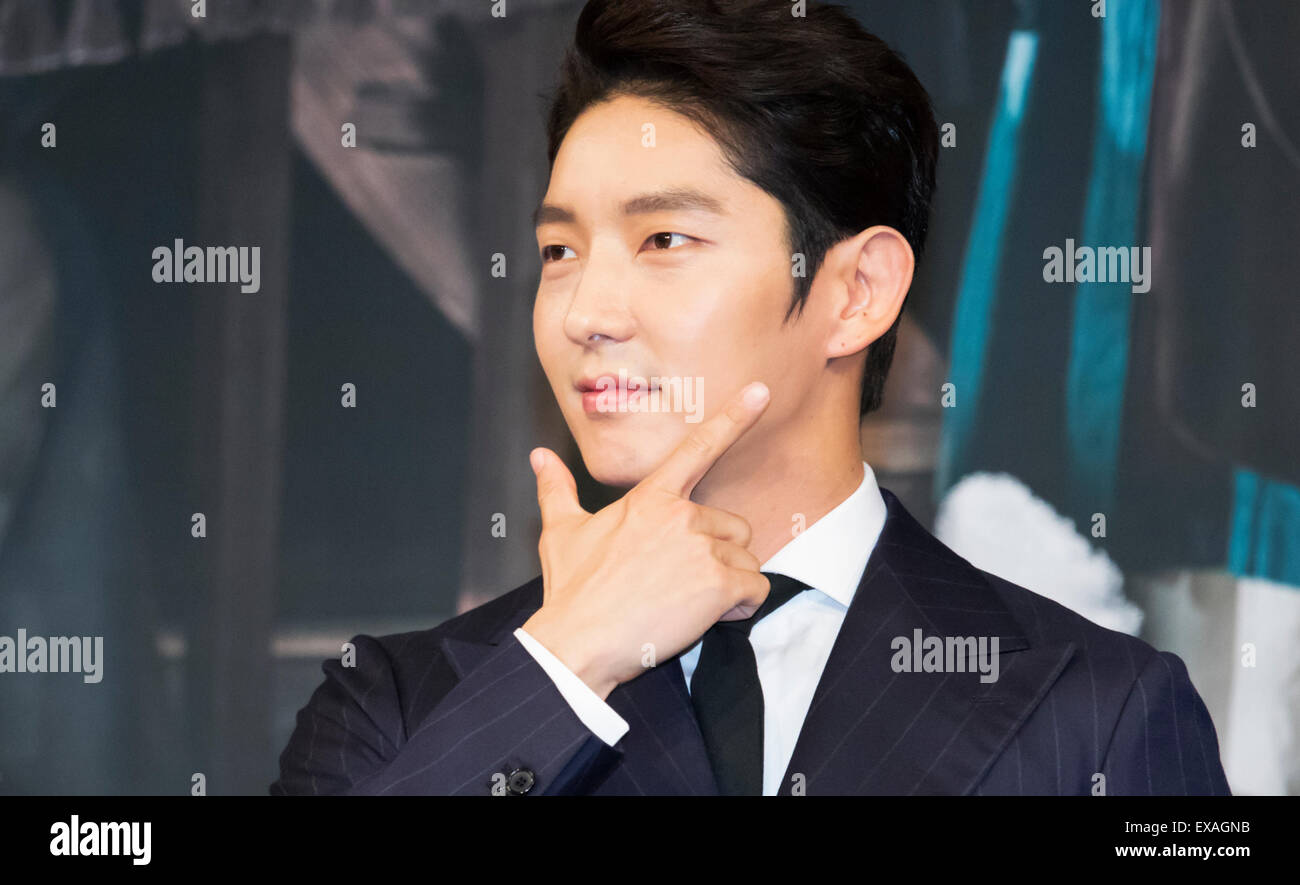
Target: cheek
x,y
724,336
547,333
548,320
743,315
731,299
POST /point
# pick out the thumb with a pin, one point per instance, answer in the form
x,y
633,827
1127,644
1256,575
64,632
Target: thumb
x,y
557,492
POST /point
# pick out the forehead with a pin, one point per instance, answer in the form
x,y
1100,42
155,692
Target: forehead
x,y
632,145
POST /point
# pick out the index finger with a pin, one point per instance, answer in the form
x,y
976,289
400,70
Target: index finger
x,y
707,441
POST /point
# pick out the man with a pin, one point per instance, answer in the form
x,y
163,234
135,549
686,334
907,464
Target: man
x,y
740,195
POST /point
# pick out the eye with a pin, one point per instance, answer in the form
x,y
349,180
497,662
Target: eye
x,y
663,240
547,254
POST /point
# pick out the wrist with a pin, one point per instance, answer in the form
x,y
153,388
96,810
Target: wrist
x,y
575,659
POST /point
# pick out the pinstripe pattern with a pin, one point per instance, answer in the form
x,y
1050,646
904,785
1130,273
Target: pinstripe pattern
x,y
448,710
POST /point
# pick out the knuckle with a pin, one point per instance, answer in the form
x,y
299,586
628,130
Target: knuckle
x,y
682,512
718,579
698,442
699,548
743,532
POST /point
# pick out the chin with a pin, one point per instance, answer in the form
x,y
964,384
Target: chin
x,y
620,472
618,480
621,464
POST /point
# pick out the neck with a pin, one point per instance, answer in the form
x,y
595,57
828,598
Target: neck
x,y
783,486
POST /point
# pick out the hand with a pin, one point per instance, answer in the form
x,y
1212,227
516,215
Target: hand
x,y
652,567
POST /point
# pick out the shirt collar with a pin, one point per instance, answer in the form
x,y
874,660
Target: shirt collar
x,y
830,554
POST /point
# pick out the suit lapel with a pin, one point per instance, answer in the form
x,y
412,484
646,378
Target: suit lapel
x,y
465,654
664,751
873,731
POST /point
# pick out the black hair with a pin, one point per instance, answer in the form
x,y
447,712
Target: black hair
x,y
813,109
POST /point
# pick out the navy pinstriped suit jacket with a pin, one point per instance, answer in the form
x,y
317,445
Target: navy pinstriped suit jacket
x,y
455,709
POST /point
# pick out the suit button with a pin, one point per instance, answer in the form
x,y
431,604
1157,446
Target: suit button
x,y
520,781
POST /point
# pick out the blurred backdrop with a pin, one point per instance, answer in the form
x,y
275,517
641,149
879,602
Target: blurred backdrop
x,y
186,472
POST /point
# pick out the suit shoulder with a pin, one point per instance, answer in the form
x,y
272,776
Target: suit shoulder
x,y
1110,670
1120,707
1047,621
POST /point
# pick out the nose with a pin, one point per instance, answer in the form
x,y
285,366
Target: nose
x,y
599,309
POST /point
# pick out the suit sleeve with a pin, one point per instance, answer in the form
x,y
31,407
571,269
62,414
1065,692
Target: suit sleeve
x,y
504,716
1164,743
597,715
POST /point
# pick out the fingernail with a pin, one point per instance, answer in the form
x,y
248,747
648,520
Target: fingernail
x,y
535,459
756,394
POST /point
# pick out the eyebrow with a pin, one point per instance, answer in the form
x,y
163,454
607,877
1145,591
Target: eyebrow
x,y
669,200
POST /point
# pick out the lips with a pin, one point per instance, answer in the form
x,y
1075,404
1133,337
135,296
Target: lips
x,y
610,393
610,382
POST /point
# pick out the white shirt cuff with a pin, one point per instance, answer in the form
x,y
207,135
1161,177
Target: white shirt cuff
x,y
594,712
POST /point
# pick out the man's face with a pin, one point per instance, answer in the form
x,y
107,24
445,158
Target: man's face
x,y
666,264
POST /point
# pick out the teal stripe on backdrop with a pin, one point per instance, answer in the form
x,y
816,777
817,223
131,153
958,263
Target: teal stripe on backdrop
x,y
1264,541
977,290
1100,327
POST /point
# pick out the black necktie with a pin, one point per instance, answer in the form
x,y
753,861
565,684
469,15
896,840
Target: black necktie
x,y
728,699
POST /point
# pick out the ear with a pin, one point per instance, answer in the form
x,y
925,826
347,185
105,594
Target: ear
x,y
871,277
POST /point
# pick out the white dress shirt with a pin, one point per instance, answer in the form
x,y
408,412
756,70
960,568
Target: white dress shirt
x,y
791,645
